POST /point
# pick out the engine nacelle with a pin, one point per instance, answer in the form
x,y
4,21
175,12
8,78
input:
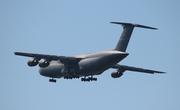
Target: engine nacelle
x,y
44,64
32,62
116,74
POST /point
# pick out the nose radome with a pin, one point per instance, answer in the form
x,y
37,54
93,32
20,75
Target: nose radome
x,y
41,71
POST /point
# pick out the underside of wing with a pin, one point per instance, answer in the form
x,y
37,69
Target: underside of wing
x,y
47,59
136,69
40,56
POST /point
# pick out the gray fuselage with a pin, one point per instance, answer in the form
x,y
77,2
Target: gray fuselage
x,y
90,64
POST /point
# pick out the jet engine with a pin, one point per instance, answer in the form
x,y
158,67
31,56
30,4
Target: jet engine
x,y
116,74
32,62
43,64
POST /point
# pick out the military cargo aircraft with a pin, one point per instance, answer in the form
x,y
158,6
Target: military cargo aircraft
x,y
88,65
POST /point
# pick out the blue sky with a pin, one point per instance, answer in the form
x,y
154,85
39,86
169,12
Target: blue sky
x,y
77,27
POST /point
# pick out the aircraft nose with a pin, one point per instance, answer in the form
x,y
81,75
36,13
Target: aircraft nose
x,y
42,71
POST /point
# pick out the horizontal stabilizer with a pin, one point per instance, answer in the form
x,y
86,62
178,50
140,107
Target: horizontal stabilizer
x,y
134,25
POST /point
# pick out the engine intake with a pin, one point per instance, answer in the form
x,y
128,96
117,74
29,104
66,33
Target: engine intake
x,y
32,62
116,74
44,64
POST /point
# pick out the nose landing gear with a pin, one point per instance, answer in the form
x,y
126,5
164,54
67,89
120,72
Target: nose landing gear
x,y
52,80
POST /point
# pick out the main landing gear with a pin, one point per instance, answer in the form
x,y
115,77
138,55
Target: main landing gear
x,y
71,77
88,79
52,80
84,79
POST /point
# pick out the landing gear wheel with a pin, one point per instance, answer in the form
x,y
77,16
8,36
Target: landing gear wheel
x,y
52,80
88,79
82,79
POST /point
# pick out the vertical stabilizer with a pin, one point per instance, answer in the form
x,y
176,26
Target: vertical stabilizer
x,y
126,34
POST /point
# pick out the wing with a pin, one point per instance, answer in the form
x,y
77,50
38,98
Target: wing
x,y
130,68
63,59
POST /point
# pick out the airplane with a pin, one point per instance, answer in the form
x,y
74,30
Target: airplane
x,y
88,65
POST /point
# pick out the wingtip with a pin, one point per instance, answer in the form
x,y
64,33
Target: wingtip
x,y
160,72
15,53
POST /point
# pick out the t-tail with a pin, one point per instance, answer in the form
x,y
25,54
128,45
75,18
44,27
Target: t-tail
x,y
126,34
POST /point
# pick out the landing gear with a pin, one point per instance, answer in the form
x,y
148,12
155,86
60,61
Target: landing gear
x,y
84,79
71,77
88,79
52,80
